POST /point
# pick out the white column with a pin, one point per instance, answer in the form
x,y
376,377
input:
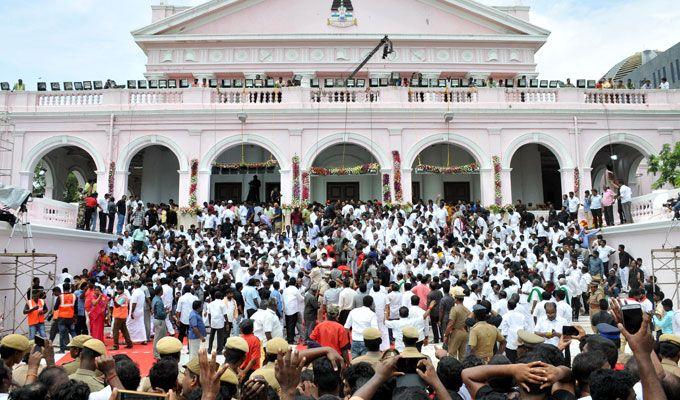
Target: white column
x,y
102,182
406,189
286,185
184,184
487,187
506,185
120,184
203,187
26,180
586,180
567,177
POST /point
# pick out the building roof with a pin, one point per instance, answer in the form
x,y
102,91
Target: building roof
x,y
629,64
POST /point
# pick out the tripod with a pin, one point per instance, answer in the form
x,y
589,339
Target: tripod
x,y
23,226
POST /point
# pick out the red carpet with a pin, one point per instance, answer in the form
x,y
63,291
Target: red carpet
x,y
140,354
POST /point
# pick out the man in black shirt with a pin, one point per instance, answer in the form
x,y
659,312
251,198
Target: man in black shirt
x,y
121,209
603,316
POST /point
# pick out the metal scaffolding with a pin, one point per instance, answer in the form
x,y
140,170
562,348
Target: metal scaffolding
x,y
666,270
6,146
17,271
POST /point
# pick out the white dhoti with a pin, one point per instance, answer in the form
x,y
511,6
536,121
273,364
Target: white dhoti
x,y
168,325
384,335
136,326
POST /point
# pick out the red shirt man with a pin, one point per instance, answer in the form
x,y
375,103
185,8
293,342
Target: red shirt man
x,y
252,361
330,333
422,290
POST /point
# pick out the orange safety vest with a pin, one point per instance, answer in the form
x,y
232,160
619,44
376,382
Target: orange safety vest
x,y
67,305
122,311
38,316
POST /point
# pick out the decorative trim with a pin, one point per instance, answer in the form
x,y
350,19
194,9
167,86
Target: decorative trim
x,y
396,167
386,193
192,209
497,182
453,170
305,187
112,176
296,181
577,181
364,169
244,165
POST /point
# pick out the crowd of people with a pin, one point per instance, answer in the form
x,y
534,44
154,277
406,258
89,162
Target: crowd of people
x,y
359,291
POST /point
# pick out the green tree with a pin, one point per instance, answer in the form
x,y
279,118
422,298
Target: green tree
x,y
667,165
39,180
71,194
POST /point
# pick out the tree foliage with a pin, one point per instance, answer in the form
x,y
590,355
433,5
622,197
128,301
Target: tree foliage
x,y
666,165
71,194
39,181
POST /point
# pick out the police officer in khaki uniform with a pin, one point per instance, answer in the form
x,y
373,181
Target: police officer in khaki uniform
x,y
167,347
410,335
75,347
372,341
267,371
456,331
596,294
526,342
229,380
669,350
14,347
87,371
483,335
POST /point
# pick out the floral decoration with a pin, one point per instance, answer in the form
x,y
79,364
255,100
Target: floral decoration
x,y
193,184
577,181
456,169
363,169
296,180
112,176
387,196
497,180
396,167
305,187
244,165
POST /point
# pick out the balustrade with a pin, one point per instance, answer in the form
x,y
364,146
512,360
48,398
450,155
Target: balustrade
x,y
344,95
154,96
437,95
58,99
528,95
618,96
49,212
247,96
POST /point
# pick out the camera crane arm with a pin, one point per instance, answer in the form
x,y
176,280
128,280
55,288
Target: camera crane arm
x,y
388,49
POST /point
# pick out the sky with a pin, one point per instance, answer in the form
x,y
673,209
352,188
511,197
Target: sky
x,y
76,40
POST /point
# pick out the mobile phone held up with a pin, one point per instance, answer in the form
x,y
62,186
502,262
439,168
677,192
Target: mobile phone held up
x,y
569,330
632,317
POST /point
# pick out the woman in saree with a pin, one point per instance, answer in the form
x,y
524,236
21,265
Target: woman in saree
x,y
96,306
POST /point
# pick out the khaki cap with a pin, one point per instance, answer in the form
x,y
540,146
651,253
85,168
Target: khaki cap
x,y
410,332
276,345
526,338
412,352
16,342
229,377
371,333
237,343
457,291
668,337
169,345
193,366
79,341
95,345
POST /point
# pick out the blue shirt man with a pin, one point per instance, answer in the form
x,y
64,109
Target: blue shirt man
x,y
196,321
595,266
157,308
251,299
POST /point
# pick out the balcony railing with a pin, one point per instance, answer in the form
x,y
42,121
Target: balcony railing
x,y
52,213
298,97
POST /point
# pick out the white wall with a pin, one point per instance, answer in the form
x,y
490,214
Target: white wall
x,y
160,180
526,175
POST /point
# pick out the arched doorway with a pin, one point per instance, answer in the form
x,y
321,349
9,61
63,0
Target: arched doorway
x,y
345,171
626,162
236,167
535,176
60,173
153,175
447,171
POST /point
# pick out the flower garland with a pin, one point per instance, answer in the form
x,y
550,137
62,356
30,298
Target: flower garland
x,y
358,170
396,166
497,180
577,181
193,184
296,180
112,176
387,196
457,169
245,165
305,187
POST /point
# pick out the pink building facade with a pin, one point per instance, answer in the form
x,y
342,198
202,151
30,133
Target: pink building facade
x,y
201,142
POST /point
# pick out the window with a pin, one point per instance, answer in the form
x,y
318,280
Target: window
x,y
664,73
672,73
677,67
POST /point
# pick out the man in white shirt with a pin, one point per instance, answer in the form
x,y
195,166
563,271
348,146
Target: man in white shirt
x,y
626,194
292,298
358,320
266,325
346,301
513,321
550,325
217,316
184,308
573,205
167,297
